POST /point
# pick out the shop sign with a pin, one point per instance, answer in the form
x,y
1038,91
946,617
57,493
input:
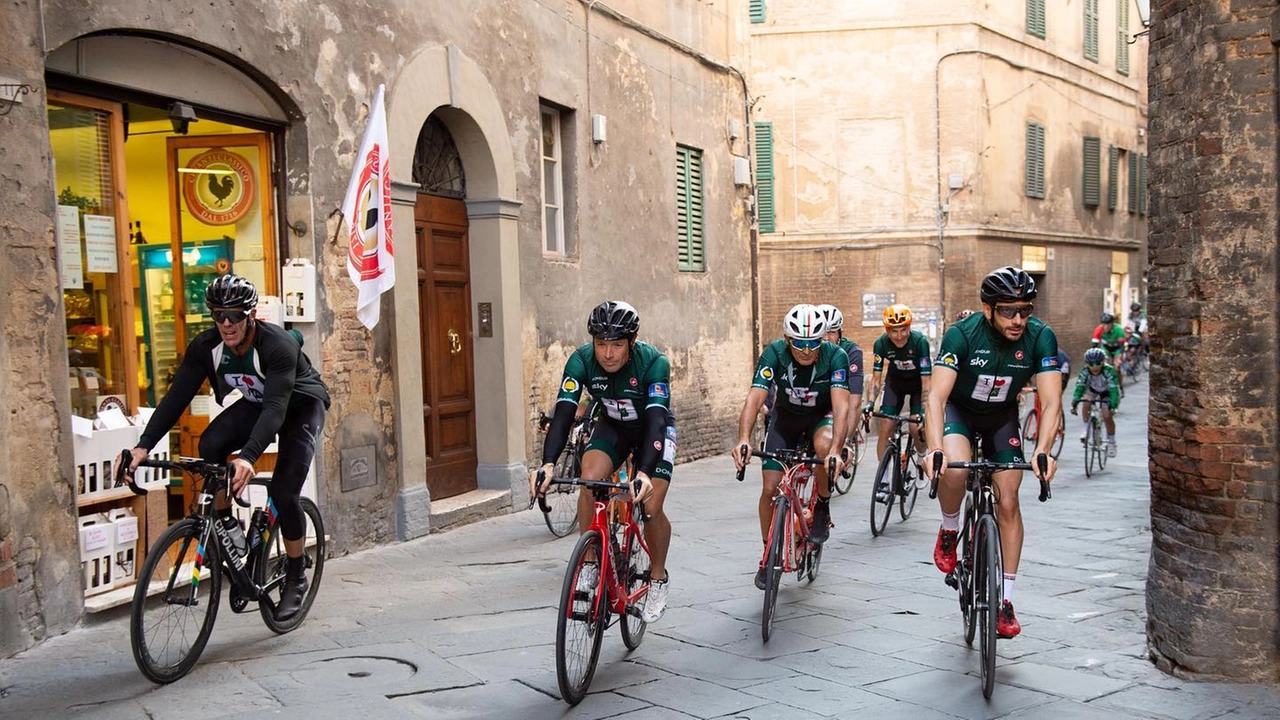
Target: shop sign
x,y
218,186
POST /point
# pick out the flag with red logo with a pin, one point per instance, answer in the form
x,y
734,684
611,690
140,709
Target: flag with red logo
x,y
366,217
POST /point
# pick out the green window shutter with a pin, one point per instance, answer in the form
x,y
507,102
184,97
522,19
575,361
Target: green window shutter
x,y
757,11
1092,171
1133,182
1091,30
689,211
764,176
1034,185
1035,17
1113,176
1122,37
1142,184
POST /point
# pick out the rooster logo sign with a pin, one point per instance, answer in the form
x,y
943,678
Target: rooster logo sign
x,y
218,186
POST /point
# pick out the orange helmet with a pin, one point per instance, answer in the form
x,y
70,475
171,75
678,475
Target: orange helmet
x,y
897,315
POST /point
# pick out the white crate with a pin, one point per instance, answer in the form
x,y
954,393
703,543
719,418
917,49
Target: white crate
x,y
124,556
96,457
151,478
97,550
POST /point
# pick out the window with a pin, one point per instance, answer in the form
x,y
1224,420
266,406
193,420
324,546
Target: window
x,y
1035,160
1092,171
757,11
1122,37
1035,17
689,209
1142,184
1133,182
1091,30
1113,176
764,176
552,184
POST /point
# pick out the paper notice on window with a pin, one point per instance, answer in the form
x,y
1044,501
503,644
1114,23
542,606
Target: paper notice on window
x,y
100,243
69,264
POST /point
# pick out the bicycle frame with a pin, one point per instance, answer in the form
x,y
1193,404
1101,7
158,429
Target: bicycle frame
x,y
797,472
615,513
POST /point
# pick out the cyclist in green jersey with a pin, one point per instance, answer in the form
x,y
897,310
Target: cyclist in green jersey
x,y
1110,336
1098,382
902,360
983,363
631,380
835,336
812,378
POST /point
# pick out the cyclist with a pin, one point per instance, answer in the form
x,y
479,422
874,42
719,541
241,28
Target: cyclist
x,y
1097,381
984,361
835,336
1138,319
631,380
901,367
812,377
1110,337
281,395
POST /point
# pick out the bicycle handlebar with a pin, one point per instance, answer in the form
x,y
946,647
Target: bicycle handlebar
x,y
195,466
899,418
1042,463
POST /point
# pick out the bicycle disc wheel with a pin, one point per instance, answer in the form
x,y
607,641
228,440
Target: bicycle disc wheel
x,y
270,569
1031,426
774,566
1089,441
580,626
885,478
907,501
169,630
561,514
988,603
637,563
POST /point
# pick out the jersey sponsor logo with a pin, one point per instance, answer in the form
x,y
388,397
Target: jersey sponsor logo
x,y
803,397
657,445
982,351
992,388
248,385
924,362
837,376
904,364
1050,362
766,373
569,385
1018,355
878,359
949,360
853,369
977,362
634,382
1014,441
658,390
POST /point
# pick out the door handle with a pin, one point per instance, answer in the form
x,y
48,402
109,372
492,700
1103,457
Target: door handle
x,y
455,342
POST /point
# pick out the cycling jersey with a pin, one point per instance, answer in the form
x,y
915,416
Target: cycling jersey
x,y
1104,384
856,371
802,389
990,370
1112,337
909,362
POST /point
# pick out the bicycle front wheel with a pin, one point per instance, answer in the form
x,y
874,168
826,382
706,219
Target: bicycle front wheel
x,y
637,562
580,627
269,569
561,514
844,481
989,574
907,503
1090,439
1031,426
174,603
774,565
884,490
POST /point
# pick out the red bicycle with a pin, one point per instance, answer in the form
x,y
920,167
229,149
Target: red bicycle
x,y
607,579
1031,426
788,548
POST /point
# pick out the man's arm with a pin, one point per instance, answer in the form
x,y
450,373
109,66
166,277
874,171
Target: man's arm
x,y
1049,386
944,378
750,408
186,383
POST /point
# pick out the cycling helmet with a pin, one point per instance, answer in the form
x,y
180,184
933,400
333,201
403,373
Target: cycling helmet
x,y
1108,318
613,320
804,322
1094,356
833,316
963,314
897,315
1007,284
231,291
1135,307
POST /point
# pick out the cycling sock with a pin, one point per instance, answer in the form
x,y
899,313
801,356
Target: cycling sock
x,y
1009,578
951,522
823,500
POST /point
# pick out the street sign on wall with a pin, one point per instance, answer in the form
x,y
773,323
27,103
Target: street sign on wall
x,y
873,305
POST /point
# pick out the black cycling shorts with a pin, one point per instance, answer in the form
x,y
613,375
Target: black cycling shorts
x,y
896,391
789,431
1001,435
619,441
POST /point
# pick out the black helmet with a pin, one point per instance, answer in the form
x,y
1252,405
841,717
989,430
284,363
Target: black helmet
x,y
231,291
613,320
1108,318
1007,284
1135,307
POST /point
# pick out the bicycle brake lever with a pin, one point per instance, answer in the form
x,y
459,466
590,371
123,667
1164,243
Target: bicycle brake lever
x,y
742,471
1042,463
124,477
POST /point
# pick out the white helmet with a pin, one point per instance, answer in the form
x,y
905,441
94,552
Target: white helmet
x,y
833,316
804,322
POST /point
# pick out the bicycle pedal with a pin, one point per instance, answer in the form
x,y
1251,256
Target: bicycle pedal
x,y
952,581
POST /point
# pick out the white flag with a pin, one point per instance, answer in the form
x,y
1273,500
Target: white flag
x,y
366,213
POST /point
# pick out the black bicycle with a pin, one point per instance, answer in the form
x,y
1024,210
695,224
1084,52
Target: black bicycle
x,y
560,503
980,570
895,479
176,599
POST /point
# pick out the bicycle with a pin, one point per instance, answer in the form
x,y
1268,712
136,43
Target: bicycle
x,y
620,589
1031,427
855,449
175,601
1133,360
895,471
788,548
978,575
560,509
1095,443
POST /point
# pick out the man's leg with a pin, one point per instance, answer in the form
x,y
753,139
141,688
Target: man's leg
x,y
768,488
657,529
596,465
1009,516
950,496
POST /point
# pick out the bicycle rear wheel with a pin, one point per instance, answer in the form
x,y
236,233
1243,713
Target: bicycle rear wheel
x,y
1031,426
580,626
168,631
856,446
988,571
1089,441
886,479
561,514
269,569
637,562
773,565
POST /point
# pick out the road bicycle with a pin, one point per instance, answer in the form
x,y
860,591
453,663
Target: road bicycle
x,y
560,506
979,573
1134,359
175,601
895,478
788,548
1031,426
855,449
1095,438
615,545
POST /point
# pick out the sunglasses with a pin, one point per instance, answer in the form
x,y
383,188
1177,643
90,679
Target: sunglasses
x,y
231,316
806,345
1009,312
1094,365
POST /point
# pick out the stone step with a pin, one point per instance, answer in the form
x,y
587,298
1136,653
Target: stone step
x,y
468,507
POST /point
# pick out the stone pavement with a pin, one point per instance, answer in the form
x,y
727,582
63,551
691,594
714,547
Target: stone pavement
x,y
462,625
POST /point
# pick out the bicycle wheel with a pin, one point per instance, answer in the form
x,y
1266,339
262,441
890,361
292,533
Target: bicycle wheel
x,y
907,501
968,577
987,569
814,559
886,478
1031,426
1056,449
1099,445
637,562
269,569
561,514
844,480
1089,441
580,626
774,565
169,630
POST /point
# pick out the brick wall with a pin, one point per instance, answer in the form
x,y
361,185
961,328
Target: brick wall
x,y
1212,586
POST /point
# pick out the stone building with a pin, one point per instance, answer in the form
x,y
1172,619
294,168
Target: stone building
x,y
906,149
1213,586
546,155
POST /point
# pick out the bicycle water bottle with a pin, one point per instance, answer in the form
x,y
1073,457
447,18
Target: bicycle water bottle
x,y
257,528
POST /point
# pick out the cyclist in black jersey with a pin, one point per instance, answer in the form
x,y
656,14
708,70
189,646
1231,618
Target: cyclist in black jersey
x,y
281,395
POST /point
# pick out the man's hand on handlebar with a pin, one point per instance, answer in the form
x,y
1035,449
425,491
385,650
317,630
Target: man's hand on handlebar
x,y
741,454
935,461
139,454
1044,460
547,471
243,473
645,489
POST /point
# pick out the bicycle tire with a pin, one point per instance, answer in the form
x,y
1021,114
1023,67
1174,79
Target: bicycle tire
x,y
907,500
814,559
989,604
561,514
164,636
967,584
637,562
269,569
1089,441
580,626
880,510
1100,446
774,566
1058,444
857,448
1031,426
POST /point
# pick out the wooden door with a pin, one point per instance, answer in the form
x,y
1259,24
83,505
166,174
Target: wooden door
x,y
444,316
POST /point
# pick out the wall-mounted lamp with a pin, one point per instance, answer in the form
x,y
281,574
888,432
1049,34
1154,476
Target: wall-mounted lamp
x,y
181,115
599,129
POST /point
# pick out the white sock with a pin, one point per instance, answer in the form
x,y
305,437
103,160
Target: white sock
x,y
1009,578
951,522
